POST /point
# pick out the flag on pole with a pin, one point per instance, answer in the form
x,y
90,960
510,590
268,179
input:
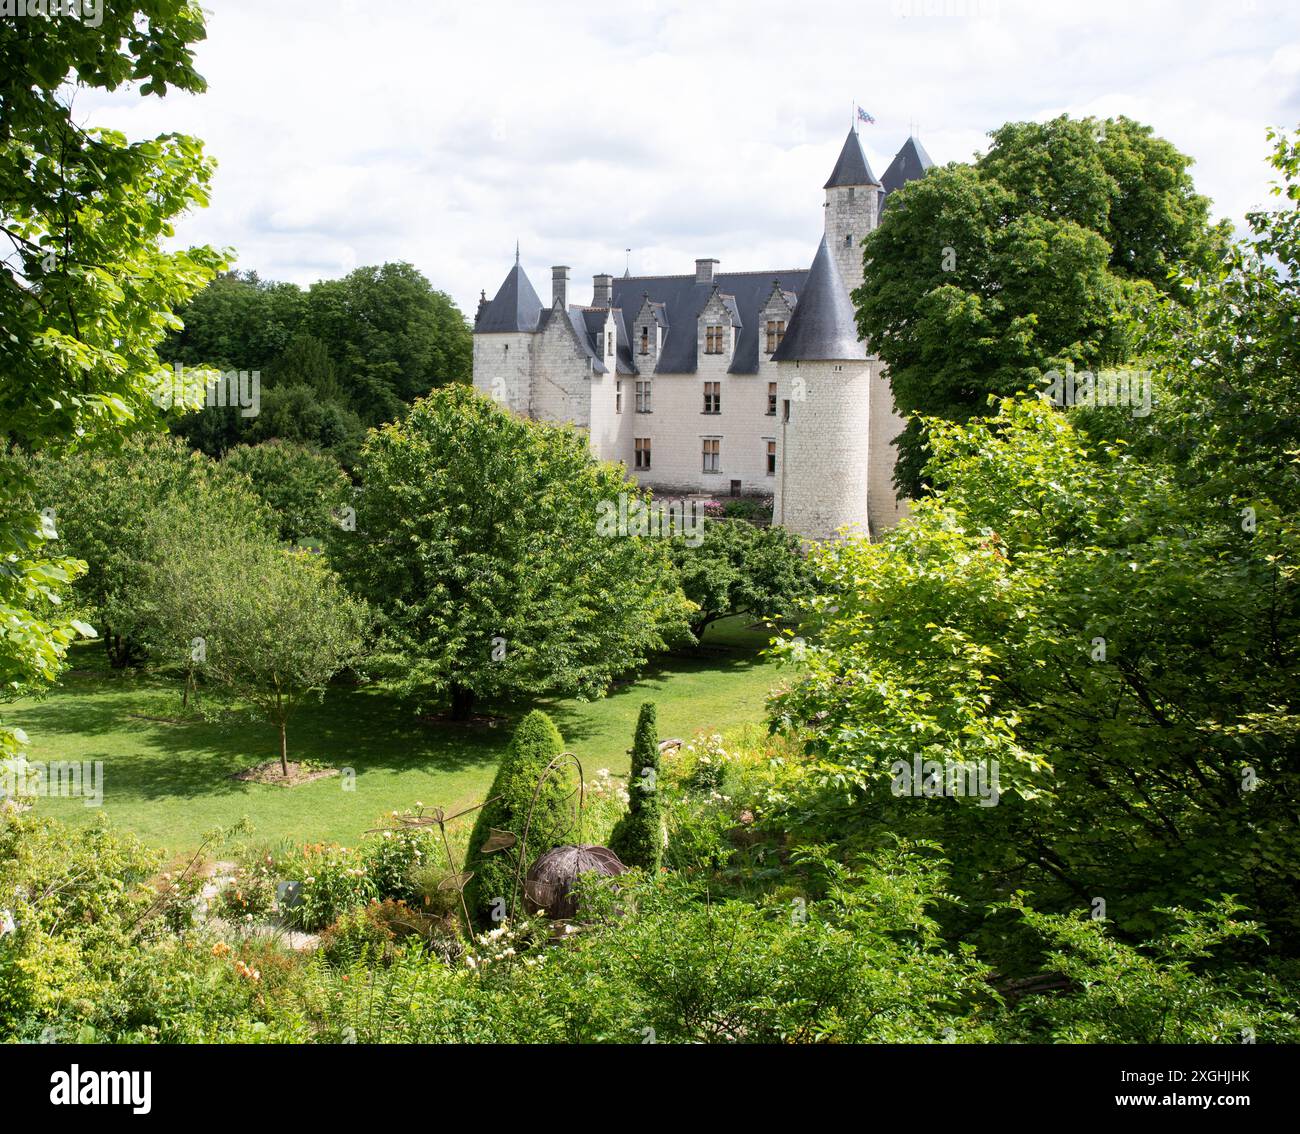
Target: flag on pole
x,y
863,116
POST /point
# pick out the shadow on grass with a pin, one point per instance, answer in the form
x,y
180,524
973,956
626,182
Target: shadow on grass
x,y
101,714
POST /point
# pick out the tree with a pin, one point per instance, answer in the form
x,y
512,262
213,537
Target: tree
x,y
512,799
638,837
296,414
102,505
238,322
982,278
478,542
302,487
391,336
1106,605
739,568
86,289
271,625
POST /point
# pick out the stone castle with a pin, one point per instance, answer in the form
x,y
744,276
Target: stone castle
x,y
721,383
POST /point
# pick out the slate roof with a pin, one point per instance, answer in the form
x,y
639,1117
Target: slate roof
x,y
577,320
594,321
683,299
822,327
909,163
514,308
852,167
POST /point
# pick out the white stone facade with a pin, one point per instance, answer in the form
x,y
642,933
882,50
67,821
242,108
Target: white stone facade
x,y
673,376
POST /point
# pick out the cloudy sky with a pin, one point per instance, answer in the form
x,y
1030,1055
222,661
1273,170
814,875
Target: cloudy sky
x,y
352,132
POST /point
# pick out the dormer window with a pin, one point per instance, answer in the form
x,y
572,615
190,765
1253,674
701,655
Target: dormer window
x,y
775,333
609,344
713,340
645,340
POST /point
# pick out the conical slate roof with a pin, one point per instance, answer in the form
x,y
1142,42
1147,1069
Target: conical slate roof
x,y
822,327
852,167
909,163
514,308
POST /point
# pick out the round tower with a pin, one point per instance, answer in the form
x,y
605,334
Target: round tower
x,y
852,209
824,381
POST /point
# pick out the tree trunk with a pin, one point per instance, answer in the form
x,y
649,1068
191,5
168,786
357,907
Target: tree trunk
x,y
462,701
284,750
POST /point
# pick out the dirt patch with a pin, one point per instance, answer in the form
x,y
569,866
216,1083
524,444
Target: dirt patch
x,y
271,773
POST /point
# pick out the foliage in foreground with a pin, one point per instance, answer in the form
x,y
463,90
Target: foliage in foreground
x,y
841,953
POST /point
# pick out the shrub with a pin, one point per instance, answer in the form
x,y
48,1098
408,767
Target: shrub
x,y
332,880
535,743
251,895
394,855
638,838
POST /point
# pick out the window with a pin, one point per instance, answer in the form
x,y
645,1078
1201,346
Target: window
x,y
785,409
618,397
713,340
645,340
848,241
852,191
712,454
771,458
712,397
771,399
643,452
775,333
609,344
643,397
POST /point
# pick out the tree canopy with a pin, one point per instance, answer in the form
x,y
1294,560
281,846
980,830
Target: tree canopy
x,y
87,289
982,278
477,541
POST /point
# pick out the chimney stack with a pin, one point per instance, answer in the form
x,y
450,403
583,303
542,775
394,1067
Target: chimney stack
x,y
560,286
602,291
704,271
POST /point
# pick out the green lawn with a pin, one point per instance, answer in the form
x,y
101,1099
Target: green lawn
x,y
171,782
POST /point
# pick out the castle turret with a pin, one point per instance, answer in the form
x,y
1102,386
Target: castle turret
x,y
852,209
824,382
504,332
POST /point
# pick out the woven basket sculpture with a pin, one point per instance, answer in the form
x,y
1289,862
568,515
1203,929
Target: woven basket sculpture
x,y
551,879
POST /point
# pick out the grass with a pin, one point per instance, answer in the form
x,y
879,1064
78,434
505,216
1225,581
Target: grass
x,y
171,782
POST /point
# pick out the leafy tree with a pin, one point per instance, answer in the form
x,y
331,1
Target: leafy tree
x,y
102,505
739,568
391,336
638,837
479,544
981,278
272,626
238,322
512,799
302,487
86,292
296,414
1106,604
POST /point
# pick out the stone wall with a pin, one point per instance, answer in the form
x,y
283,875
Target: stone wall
x,y
823,449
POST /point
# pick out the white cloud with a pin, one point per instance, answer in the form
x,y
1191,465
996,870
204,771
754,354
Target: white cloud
x,y
353,132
